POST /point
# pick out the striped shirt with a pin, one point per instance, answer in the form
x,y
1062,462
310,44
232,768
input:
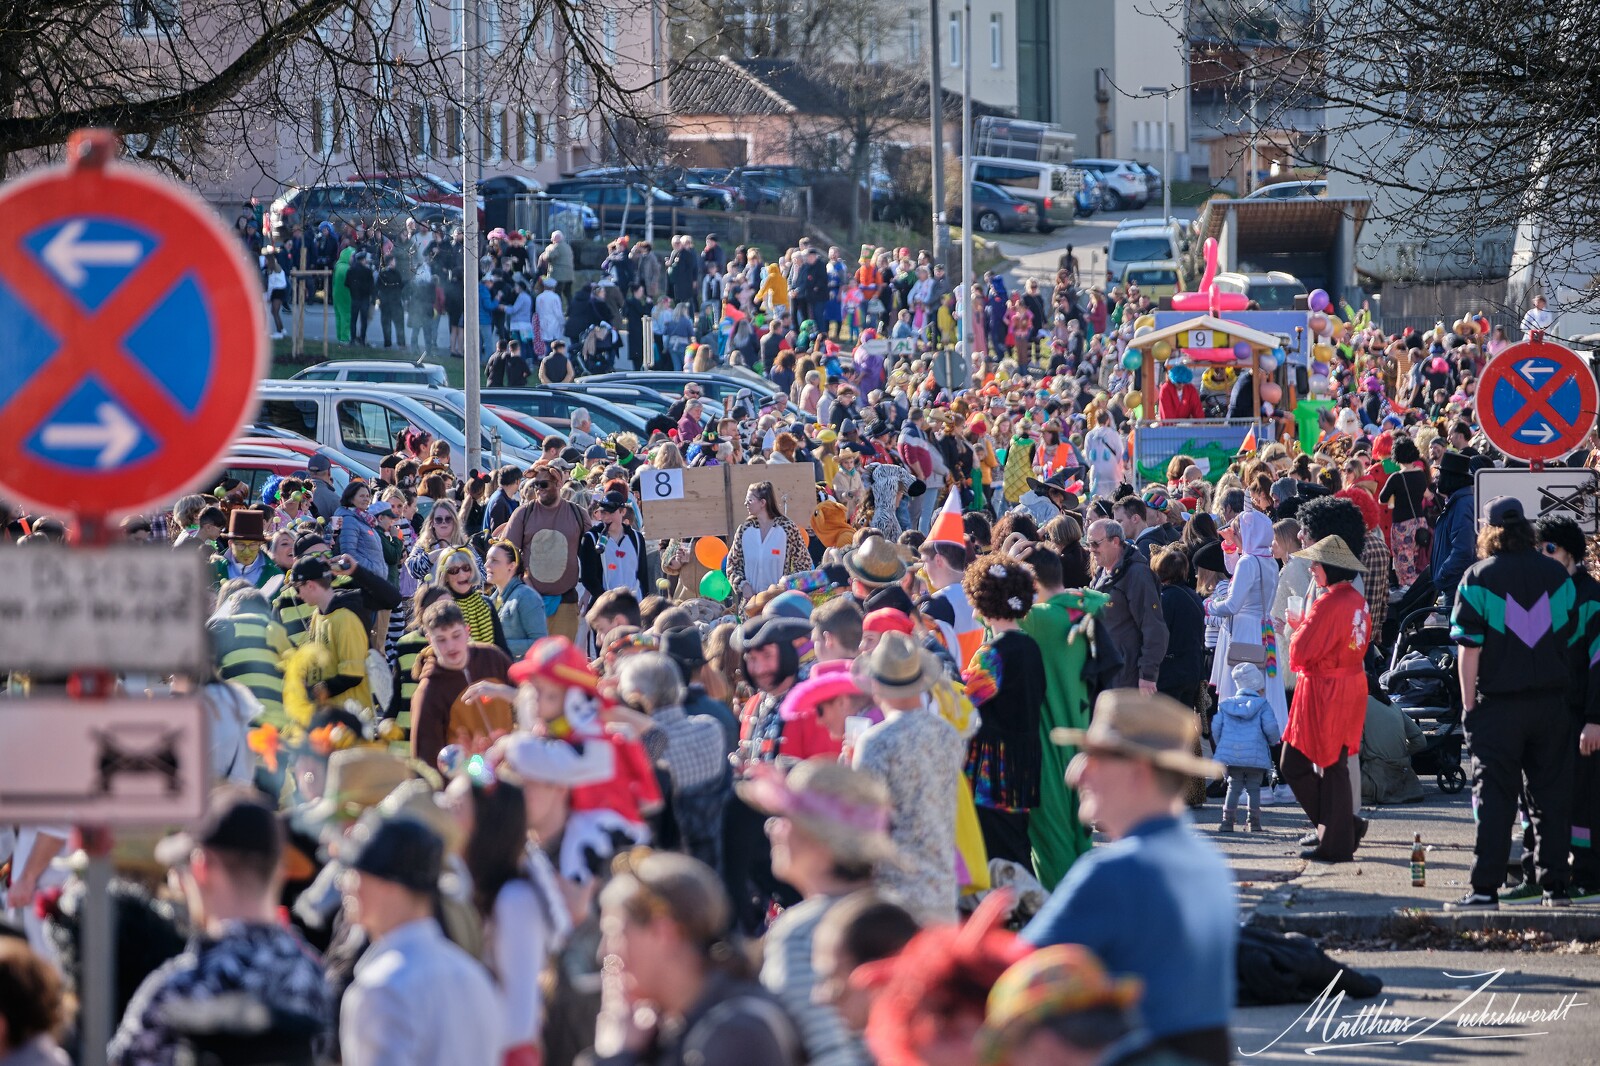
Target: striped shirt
x,y
787,973
249,649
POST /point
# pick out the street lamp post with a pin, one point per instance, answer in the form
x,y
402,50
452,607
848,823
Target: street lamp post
x,y
1166,146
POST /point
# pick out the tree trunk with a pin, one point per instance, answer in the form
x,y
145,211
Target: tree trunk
x,y
860,163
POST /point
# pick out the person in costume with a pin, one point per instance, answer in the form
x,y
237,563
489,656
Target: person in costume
x,y
1061,620
242,556
458,573
341,295
1179,398
1005,679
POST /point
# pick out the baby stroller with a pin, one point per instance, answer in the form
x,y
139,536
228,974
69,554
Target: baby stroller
x,y
597,350
1423,681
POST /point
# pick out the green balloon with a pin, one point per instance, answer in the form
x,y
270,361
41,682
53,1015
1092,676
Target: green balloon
x,y
715,586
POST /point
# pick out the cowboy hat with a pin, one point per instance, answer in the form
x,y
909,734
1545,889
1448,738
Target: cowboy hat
x,y
1058,482
358,779
897,667
1332,551
847,810
1138,725
877,562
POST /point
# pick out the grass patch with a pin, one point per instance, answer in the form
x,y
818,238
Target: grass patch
x,y
1192,193
284,366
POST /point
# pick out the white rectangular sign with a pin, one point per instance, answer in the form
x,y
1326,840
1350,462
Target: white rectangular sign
x,y
658,485
134,607
102,762
1549,493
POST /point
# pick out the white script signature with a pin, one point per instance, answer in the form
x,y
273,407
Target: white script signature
x,y
1378,1025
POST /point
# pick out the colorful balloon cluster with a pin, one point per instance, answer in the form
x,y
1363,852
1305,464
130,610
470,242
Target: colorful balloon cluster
x,y
1325,331
712,553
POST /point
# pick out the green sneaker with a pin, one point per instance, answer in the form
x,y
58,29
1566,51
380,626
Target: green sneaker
x,y
1527,892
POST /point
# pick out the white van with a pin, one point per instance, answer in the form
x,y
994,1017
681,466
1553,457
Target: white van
x,y
1142,240
1050,185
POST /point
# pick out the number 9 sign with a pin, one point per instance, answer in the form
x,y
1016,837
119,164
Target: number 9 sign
x,y
662,485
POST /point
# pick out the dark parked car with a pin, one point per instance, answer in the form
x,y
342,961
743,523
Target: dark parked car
x,y
352,202
620,205
996,211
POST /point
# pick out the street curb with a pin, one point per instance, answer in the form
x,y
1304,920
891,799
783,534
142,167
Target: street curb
x,y
1572,923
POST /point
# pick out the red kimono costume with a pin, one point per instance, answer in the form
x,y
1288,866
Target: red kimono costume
x,y
1327,716
1179,401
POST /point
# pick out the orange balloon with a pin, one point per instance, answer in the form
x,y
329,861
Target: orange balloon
x,y
710,551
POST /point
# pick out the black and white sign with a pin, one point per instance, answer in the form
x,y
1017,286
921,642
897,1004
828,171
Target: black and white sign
x,y
125,608
113,762
1546,493
657,485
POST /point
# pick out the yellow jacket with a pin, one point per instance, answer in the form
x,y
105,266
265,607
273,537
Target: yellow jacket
x,y
774,286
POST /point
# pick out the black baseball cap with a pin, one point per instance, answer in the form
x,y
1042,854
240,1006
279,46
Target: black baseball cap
x,y
237,820
399,849
313,569
611,501
318,463
1504,510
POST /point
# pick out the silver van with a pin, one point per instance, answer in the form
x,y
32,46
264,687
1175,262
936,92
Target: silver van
x,y
1053,186
364,421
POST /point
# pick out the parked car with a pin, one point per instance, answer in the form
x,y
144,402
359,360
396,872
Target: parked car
x,y
996,211
1272,290
373,370
424,188
256,466
1291,190
531,427
1143,240
721,386
1051,186
364,420
554,406
286,440
1126,185
451,405
1155,278
1154,183
619,205
640,398
352,202
1090,197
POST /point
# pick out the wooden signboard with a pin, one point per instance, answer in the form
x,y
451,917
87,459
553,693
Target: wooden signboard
x,y
794,483
708,501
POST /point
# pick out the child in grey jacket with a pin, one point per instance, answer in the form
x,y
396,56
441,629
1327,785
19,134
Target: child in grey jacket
x,y
1244,731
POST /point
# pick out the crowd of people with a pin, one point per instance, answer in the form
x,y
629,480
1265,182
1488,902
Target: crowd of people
x,y
504,778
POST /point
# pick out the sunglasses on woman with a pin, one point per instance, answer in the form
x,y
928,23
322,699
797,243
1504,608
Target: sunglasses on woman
x,y
452,571
444,520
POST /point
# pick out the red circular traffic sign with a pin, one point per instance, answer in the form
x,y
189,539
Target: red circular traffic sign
x,y
133,335
1537,401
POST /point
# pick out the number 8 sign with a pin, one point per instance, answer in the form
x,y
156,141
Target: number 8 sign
x,y
663,485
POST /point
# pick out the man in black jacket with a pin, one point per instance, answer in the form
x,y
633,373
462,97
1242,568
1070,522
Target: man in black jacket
x,y
811,287
392,302
360,280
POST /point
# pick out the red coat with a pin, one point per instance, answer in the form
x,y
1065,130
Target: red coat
x,y
1330,699
1180,401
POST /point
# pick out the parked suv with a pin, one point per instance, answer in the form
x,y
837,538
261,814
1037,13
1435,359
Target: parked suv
x,y
352,201
619,204
1126,184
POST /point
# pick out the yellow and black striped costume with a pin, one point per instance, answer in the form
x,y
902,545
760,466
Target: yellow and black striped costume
x,y
249,649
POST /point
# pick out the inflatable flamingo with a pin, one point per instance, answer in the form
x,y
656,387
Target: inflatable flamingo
x,y
1207,298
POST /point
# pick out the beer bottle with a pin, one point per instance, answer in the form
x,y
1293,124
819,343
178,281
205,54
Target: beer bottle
x,y
1419,862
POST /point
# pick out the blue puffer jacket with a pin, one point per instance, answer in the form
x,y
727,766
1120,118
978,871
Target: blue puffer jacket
x,y
1455,545
1244,731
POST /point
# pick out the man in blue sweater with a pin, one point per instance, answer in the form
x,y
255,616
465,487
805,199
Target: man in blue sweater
x,y
1158,902
1455,539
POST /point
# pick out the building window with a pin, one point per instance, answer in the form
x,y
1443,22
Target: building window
x,y
531,147
420,130
997,42
608,32
454,132
419,23
150,16
913,35
491,26
955,40
458,20
497,134
322,131
549,34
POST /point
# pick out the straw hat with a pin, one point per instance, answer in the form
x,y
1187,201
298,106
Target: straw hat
x,y
846,809
1331,551
1152,727
897,667
877,562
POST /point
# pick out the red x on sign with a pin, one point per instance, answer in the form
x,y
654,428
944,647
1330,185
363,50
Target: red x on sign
x,y
1537,401
133,335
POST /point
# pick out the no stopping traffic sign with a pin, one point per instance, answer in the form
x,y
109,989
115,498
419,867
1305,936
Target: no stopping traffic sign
x,y
1537,401
131,335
